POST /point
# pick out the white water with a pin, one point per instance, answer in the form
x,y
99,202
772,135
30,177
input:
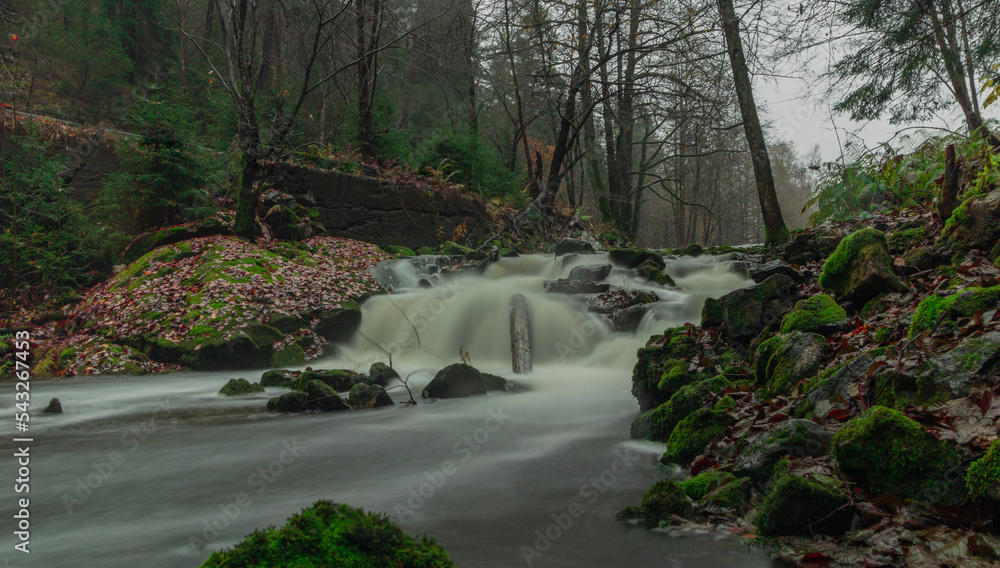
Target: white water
x,y
167,455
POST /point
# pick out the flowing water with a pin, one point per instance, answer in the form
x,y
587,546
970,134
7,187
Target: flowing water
x,y
159,471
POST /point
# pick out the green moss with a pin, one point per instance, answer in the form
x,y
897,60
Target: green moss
x,y
290,356
399,250
664,354
812,313
891,454
966,303
659,423
983,477
294,401
706,482
775,364
905,239
239,387
691,435
68,354
724,403
796,505
733,495
454,249
664,499
863,247
277,378
960,216
327,534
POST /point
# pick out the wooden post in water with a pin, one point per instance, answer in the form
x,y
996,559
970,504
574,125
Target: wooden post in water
x,y
520,343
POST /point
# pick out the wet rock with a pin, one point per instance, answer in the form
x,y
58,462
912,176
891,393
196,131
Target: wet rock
x,y
382,374
294,401
693,434
319,396
966,303
785,359
920,258
689,392
338,324
809,246
282,378
455,381
746,312
590,272
634,258
369,396
734,495
954,373
975,224
239,387
769,269
692,249
619,299
802,438
497,383
567,246
835,381
662,501
54,407
796,505
567,286
705,482
860,269
819,313
627,320
651,272
340,380
450,248
662,367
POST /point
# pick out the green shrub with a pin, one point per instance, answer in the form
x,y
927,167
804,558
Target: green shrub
x,y
464,159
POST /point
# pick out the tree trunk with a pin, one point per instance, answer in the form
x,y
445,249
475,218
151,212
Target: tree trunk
x,y
775,232
520,342
949,187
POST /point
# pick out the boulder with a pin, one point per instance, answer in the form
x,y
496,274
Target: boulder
x,y
746,312
249,347
319,396
455,381
382,374
340,380
627,320
369,396
634,258
860,269
692,249
54,407
809,246
238,387
659,423
975,224
819,313
785,359
567,246
966,303
567,286
834,382
282,378
769,269
953,374
619,299
399,250
653,273
734,495
293,222
889,453
497,383
663,500
801,438
337,325
290,356
662,367
451,248
691,435
983,477
705,482
919,258
590,272
800,506
294,401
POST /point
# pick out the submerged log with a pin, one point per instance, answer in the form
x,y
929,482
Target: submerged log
x,y
520,343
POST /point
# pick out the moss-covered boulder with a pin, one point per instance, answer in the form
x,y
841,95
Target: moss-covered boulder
x,y
782,361
692,249
289,356
692,434
280,378
889,453
634,258
294,401
399,250
657,424
919,258
662,367
247,347
381,374
664,499
319,396
328,534
455,381
802,438
215,225
860,269
653,273
799,506
571,246
340,380
239,387
975,224
953,374
817,313
369,396
836,380
746,312
497,383
337,325
983,477
906,237
706,482
734,495
966,303
450,248
293,222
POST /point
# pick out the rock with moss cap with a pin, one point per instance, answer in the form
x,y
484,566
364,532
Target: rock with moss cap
x,y
239,387
836,380
791,437
455,381
653,273
397,250
450,248
497,383
659,423
860,269
983,477
746,312
319,396
782,361
54,407
369,396
734,495
571,246
282,378
799,506
662,367
889,453
338,324
706,482
634,258
954,374
692,249
966,303
819,313
975,224
382,374
692,434
663,500
294,401
340,380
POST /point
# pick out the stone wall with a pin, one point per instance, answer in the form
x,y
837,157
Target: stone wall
x,y
377,211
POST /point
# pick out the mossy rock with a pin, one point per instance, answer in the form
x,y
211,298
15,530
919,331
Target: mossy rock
x,y
455,381
692,434
792,437
290,356
664,499
975,224
920,258
904,239
814,314
280,378
955,374
339,324
396,250
983,477
573,246
889,453
693,249
322,397
663,354
799,506
860,269
653,273
171,235
706,482
239,387
782,361
744,313
381,374
426,251
294,401
634,258
328,534
497,383
733,495
966,303
834,381
659,423
340,380
450,248
249,347
369,396
285,323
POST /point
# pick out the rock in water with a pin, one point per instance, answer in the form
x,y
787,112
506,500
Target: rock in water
x,y
567,286
520,341
54,407
455,381
238,387
382,374
567,246
590,272
634,258
369,396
